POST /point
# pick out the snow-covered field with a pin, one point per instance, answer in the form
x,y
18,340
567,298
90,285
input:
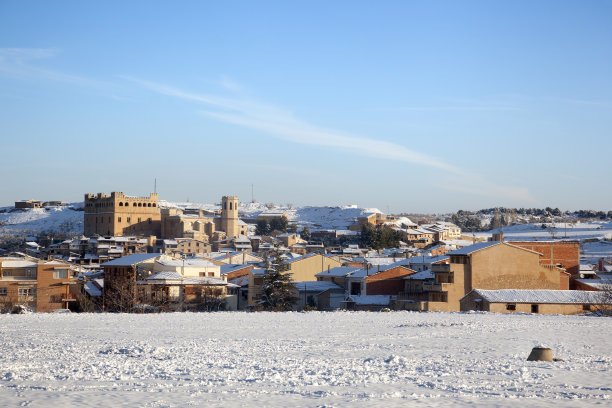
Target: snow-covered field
x,y
296,359
559,230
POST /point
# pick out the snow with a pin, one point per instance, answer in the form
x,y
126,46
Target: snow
x,y
302,359
577,231
35,220
539,296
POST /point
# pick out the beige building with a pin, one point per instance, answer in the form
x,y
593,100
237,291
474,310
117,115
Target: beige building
x,y
533,301
40,286
489,266
176,223
117,214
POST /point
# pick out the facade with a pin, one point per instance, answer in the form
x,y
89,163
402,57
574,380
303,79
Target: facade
x,y
533,301
40,286
120,276
489,266
117,215
204,226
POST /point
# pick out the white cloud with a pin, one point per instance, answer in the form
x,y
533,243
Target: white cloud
x,y
284,125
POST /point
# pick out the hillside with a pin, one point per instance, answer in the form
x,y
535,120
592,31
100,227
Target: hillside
x,y
68,219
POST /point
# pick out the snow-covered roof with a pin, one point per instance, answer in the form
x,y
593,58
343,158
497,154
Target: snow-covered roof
x,y
338,271
473,248
92,289
198,263
599,284
166,275
227,268
130,260
316,286
19,264
538,296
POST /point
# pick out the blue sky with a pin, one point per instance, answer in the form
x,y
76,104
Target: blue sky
x,y
413,106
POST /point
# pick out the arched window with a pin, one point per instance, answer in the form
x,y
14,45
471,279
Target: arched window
x,y
127,204
140,204
153,204
134,205
120,204
230,205
148,205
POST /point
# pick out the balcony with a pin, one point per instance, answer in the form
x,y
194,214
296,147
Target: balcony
x,y
71,297
440,268
432,287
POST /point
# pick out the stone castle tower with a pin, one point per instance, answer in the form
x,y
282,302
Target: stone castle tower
x,y
229,216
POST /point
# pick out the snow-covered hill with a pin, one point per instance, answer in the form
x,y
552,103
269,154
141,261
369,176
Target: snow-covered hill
x,y
66,219
69,220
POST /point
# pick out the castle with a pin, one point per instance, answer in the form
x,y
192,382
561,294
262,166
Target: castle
x,y
117,214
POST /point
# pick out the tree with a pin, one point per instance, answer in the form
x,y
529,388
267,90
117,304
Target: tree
x,y
305,234
279,224
278,291
263,228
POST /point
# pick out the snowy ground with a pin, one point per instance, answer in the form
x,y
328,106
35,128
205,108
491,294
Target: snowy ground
x,y
559,230
293,359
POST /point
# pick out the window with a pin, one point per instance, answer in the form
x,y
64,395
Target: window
x,y
129,219
119,219
140,204
60,274
148,205
586,307
138,219
134,205
3,291
510,307
30,273
6,273
153,204
27,291
120,204
150,220
534,308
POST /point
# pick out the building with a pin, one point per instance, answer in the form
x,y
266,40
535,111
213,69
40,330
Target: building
x,y
202,225
120,276
533,301
117,214
38,285
489,266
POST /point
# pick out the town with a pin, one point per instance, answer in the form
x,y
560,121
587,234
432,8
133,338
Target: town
x,y
142,255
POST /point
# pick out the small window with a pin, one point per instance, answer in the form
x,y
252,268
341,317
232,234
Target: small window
x,y
60,274
150,220
129,219
153,204
26,291
510,307
3,291
586,307
139,219
119,219
140,204
134,205
148,205
120,204
534,308
30,273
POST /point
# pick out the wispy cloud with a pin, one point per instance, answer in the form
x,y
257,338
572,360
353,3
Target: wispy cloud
x,y
284,125
23,63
